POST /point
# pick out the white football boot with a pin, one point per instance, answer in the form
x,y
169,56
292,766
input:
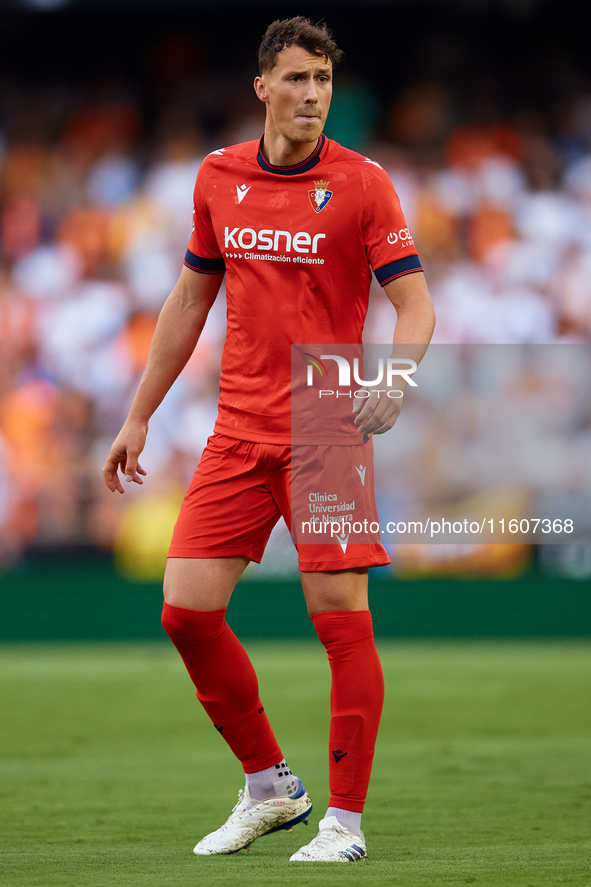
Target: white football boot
x,y
250,819
333,843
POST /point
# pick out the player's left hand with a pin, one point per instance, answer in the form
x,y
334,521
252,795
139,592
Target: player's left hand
x,y
378,412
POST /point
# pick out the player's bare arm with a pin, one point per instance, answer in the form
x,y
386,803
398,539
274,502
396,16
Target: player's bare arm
x,y
177,332
414,327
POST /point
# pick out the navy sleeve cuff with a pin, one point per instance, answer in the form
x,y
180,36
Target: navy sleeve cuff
x,y
205,266
396,269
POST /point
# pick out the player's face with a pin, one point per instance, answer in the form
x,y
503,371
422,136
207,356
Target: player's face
x,y
297,93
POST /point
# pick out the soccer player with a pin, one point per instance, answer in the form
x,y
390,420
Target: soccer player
x,y
294,221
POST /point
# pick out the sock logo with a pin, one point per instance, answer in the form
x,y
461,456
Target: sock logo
x,y
218,728
338,754
261,709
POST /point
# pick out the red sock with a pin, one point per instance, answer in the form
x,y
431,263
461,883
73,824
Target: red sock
x,y
356,700
226,683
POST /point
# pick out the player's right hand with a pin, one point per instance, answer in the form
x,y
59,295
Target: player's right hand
x,y
124,455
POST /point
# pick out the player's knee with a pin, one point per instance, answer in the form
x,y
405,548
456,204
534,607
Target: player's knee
x,y
181,624
340,630
185,592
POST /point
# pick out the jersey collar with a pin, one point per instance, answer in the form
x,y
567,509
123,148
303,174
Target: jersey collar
x,y
307,164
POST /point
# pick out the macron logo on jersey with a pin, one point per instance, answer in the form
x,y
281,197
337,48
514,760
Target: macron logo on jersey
x,y
242,191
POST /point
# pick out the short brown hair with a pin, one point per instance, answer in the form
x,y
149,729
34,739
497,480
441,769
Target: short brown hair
x,y
297,31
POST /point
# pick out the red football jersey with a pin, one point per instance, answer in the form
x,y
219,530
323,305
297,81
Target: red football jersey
x,y
297,244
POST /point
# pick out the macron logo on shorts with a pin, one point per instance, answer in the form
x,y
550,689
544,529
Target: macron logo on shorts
x,y
361,469
343,541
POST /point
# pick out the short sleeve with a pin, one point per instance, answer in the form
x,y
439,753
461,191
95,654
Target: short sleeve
x,y
388,242
203,253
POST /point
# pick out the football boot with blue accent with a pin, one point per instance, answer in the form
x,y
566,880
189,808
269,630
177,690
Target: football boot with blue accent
x,y
333,843
251,819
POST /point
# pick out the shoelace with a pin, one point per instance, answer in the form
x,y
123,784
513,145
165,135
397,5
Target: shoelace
x,y
326,837
240,799
237,805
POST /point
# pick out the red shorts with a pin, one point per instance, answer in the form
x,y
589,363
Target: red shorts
x,y
242,488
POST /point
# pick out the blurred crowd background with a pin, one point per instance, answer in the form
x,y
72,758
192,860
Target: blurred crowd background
x,y
480,113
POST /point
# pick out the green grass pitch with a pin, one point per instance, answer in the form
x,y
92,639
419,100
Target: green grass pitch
x,y
110,771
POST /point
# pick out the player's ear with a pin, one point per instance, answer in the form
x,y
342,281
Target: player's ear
x,y
261,89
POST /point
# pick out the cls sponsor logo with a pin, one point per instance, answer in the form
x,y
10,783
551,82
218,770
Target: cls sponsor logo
x,y
403,235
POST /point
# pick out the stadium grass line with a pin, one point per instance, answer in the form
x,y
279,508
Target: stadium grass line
x,y
110,772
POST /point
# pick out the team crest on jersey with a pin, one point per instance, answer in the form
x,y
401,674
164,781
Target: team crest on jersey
x,y
319,195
